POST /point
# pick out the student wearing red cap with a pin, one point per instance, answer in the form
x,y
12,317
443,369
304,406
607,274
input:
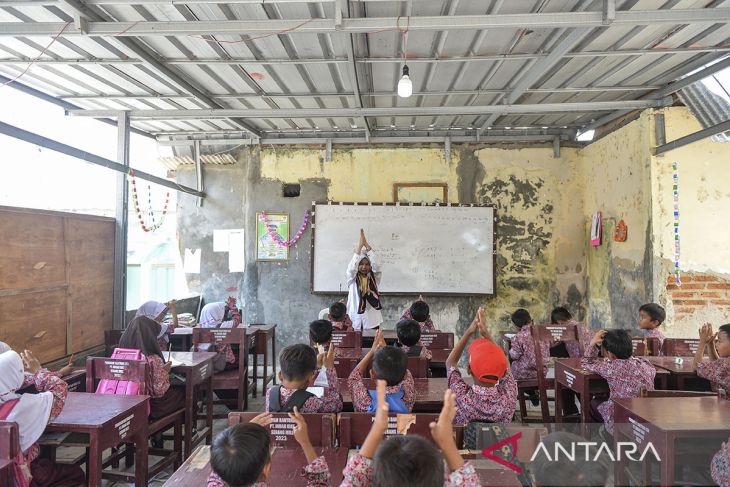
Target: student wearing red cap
x,y
493,397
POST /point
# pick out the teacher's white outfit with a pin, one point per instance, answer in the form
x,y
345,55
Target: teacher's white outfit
x,y
371,317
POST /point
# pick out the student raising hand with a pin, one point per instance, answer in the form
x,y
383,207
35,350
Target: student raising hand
x,y
31,364
263,419
442,432
329,357
301,434
379,340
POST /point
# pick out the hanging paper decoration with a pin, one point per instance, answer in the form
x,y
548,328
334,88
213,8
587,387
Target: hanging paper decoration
x,y
621,232
277,238
150,212
675,193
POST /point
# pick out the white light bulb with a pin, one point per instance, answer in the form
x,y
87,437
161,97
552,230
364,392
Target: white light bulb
x,y
405,85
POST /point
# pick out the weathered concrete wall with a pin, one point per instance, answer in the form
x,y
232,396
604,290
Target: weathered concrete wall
x,y
704,234
616,181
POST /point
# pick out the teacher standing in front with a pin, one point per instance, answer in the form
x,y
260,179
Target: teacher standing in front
x,y
363,276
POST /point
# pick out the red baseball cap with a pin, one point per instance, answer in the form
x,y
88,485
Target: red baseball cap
x,y
487,360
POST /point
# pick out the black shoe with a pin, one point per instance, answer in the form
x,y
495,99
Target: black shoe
x,y
157,442
534,397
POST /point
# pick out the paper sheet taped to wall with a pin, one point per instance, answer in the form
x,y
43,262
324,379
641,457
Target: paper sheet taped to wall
x,y
236,254
191,261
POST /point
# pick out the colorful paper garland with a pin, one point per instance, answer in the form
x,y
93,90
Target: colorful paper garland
x,y
675,193
277,238
135,202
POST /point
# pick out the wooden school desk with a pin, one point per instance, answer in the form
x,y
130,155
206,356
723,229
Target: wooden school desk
x,y
680,373
662,420
285,469
76,380
196,368
108,420
429,393
570,375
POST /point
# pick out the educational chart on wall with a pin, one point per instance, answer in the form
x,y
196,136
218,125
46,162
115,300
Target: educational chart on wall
x,y
421,249
267,248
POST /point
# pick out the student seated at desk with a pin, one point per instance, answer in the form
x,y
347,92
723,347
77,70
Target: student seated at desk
x,y
493,397
213,315
339,318
320,332
409,336
522,351
241,454
32,412
141,334
391,365
581,470
157,311
717,370
420,312
298,370
62,372
410,459
651,315
561,316
626,375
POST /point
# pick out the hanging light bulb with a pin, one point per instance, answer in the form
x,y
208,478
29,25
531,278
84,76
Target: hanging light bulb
x,y
405,86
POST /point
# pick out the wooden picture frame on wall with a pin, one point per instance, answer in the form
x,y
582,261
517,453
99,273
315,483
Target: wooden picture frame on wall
x,y
266,249
424,192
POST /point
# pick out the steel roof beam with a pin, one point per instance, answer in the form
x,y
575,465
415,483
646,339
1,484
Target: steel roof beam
x,y
375,112
550,20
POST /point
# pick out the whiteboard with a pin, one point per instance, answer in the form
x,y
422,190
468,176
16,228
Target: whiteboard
x,y
421,249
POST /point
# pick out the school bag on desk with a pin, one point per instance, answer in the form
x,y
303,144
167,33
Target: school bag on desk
x,y
123,387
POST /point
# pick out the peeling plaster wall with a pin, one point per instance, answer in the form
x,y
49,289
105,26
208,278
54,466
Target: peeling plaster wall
x,y
704,195
616,181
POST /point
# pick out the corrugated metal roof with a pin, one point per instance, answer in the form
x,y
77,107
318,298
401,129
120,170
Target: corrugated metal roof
x,y
299,69
709,100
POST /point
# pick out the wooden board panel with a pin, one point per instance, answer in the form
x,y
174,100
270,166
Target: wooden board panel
x,y
32,251
90,254
35,322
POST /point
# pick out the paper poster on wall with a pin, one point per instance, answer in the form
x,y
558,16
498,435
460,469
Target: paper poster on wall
x,y
220,240
596,229
266,247
191,261
236,255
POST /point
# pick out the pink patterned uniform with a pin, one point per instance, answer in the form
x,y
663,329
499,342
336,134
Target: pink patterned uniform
x,y
720,466
317,474
716,371
479,403
425,352
159,377
625,378
426,326
359,473
345,325
361,398
46,381
331,402
522,353
655,333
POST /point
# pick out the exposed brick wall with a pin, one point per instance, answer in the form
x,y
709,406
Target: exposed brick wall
x,y
698,292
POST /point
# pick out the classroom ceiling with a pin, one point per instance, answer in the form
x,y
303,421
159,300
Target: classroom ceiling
x,y
305,71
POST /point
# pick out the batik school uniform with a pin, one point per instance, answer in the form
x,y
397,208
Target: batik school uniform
x,y
720,465
426,326
403,393
625,377
164,399
151,310
522,353
717,372
359,473
317,474
344,325
363,298
330,402
655,333
32,412
212,316
417,351
478,403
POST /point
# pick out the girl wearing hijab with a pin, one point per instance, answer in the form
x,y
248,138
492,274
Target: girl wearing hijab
x,y
363,276
141,334
32,412
213,315
157,311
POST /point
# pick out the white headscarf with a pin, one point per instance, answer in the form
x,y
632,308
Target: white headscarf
x,y
4,347
32,410
212,315
151,310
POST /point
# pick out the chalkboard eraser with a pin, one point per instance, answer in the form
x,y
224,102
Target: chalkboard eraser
x,y
370,203
340,203
355,203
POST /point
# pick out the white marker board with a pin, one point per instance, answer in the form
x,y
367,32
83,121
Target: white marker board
x,y
422,249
